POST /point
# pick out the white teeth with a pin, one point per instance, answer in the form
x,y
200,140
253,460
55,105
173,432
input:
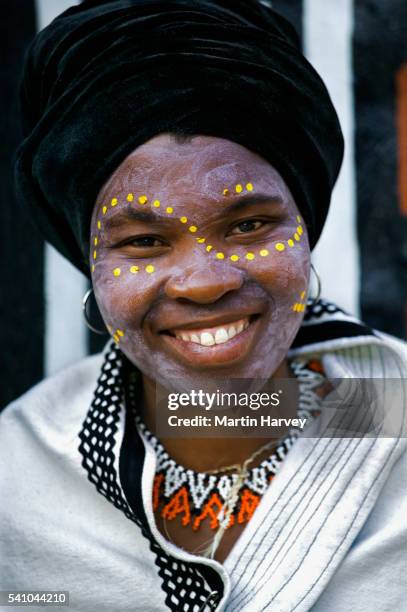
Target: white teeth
x,y
207,339
232,332
221,336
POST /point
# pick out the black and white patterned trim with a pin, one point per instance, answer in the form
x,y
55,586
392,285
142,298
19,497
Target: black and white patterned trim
x,y
321,308
98,431
324,321
189,587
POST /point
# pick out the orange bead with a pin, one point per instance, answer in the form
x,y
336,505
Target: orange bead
x,y
211,509
158,479
179,504
248,504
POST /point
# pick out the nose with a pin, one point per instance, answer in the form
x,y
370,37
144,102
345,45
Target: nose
x,y
204,285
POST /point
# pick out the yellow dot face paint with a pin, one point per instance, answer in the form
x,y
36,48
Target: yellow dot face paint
x,y
249,256
300,306
119,333
93,267
239,188
195,206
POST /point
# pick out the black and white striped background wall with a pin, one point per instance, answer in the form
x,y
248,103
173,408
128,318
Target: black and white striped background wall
x,y
360,49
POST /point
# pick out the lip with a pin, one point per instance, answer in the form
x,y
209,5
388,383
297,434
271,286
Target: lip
x,y
206,322
218,355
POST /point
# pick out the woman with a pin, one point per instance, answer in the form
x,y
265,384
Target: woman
x,y
182,155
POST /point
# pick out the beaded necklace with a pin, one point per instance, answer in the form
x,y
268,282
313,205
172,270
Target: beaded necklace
x,y
230,494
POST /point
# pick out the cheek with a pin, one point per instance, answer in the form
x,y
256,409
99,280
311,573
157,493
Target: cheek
x,y
284,277
289,262
280,265
124,295
284,273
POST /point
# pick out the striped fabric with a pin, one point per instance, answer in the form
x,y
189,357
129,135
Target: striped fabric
x,y
288,554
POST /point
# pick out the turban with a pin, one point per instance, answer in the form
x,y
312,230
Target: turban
x,y
105,77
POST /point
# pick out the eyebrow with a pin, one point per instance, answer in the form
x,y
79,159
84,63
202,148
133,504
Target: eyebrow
x,y
239,202
131,214
229,204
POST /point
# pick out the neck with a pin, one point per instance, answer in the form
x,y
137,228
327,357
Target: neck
x,y
205,454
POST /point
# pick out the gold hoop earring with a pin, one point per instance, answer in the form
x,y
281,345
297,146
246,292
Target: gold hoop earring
x,y
314,300
85,313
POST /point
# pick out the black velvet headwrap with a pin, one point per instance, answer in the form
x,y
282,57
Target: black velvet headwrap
x,y
104,77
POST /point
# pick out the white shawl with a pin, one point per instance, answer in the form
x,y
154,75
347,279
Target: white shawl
x,y
329,534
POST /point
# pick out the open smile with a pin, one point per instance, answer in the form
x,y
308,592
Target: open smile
x,y
222,344
213,335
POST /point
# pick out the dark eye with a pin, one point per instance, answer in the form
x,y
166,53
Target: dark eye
x,y
146,241
247,226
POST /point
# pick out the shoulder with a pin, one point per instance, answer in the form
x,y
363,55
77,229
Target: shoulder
x,y
39,439
352,349
56,403
328,330
395,344
379,355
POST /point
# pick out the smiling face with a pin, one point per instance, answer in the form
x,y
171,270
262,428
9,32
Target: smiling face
x,y
200,260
